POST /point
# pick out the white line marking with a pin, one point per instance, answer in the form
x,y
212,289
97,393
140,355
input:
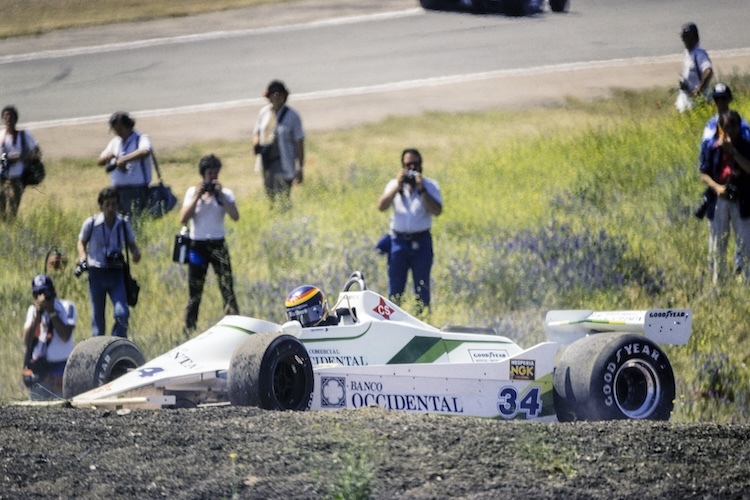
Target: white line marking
x,y
214,35
391,87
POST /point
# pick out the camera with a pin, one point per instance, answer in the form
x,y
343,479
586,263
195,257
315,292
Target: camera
x,y
684,86
730,192
115,260
3,166
80,268
410,177
111,165
209,187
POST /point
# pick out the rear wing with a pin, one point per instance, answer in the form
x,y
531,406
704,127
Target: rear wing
x,y
663,326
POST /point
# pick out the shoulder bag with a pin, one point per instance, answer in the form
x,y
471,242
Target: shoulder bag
x,y
33,170
160,197
132,288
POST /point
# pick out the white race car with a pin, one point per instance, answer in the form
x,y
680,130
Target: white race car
x,y
377,354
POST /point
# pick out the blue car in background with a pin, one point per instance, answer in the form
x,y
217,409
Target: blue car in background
x,y
509,7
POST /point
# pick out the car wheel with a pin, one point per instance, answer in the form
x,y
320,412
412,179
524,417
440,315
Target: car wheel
x,y
432,4
611,377
515,7
98,361
271,371
558,5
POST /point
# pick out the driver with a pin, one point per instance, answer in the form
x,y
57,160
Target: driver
x,y
308,305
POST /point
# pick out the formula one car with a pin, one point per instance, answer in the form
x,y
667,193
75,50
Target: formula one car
x,y
377,354
510,7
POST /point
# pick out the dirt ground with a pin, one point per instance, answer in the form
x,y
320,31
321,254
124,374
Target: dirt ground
x,y
230,452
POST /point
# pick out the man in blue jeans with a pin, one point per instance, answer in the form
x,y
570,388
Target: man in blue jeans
x,y
415,200
101,247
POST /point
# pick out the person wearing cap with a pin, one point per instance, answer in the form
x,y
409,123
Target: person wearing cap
x,y
279,143
725,169
127,158
48,338
721,96
18,146
415,200
697,70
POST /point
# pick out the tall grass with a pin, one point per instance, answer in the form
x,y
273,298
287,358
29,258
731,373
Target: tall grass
x,y
588,205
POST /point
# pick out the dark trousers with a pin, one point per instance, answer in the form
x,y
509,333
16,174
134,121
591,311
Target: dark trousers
x,y
133,199
277,188
415,254
203,253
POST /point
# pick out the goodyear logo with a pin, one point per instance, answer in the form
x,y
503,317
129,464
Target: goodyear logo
x,y
522,369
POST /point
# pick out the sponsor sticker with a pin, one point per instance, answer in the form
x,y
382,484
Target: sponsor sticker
x,y
333,392
522,369
487,355
383,309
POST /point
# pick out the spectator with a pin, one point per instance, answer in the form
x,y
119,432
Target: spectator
x,y
204,207
722,98
279,143
415,200
696,69
128,161
101,243
19,147
725,168
48,337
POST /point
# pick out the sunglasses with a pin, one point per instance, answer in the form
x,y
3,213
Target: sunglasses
x,y
413,164
37,294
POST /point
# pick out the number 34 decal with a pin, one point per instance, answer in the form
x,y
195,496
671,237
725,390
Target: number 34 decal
x,y
510,403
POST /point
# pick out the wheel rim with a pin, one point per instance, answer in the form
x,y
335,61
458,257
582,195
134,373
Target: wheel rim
x,y
289,382
637,389
122,367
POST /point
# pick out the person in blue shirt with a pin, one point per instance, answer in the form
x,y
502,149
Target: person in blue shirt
x,y
101,247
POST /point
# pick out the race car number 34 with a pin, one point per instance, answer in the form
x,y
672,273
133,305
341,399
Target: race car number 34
x,y
509,404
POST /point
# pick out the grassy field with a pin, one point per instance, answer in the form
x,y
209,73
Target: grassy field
x,y
588,205
33,17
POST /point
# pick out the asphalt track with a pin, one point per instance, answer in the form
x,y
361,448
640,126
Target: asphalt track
x,y
590,68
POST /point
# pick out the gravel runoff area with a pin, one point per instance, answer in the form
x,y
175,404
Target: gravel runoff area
x,y
232,452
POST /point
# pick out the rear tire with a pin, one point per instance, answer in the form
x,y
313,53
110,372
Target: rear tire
x,y
271,371
613,377
98,361
558,5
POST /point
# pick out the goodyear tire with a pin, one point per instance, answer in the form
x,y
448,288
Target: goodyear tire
x,y
558,5
271,371
98,361
611,377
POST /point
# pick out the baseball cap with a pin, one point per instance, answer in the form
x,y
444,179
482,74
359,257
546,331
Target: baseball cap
x,y
689,29
42,283
721,90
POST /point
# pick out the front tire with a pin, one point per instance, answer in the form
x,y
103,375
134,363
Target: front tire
x,y
613,377
271,371
98,361
432,4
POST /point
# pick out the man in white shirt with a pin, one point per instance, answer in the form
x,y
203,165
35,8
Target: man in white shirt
x,y
696,70
48,337
415,200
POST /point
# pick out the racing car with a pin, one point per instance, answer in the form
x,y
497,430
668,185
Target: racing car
x,y
510,7
375,353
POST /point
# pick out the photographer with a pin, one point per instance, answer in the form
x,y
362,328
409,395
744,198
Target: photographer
x,y
101,244
48,337
415,200
205,207
19,147
127,159
725,169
